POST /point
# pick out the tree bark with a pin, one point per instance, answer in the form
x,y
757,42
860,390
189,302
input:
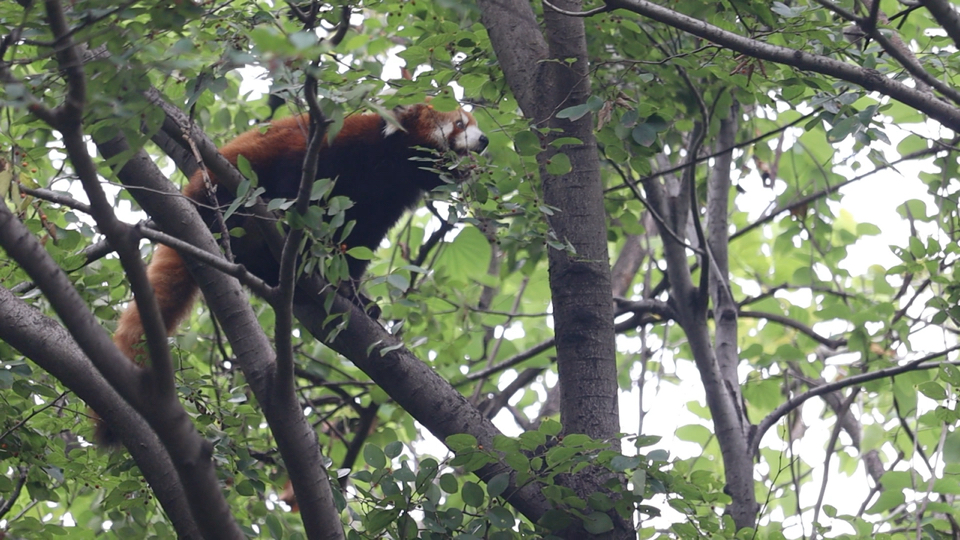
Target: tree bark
x,y
548,73
46,343
869,79
296,439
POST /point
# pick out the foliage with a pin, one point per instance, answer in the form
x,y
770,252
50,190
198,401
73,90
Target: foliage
x,y
822,292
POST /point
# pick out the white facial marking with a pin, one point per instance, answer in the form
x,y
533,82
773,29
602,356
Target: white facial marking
x,y
471,137
439,134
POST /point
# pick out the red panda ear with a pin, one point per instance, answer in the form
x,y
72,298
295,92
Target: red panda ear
x,y
399,116
392,124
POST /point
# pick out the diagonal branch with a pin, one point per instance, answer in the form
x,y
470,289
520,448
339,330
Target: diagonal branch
x,y
803,201
796,401
196,473
46,343
868,79
67,119
176,215
895,47
945,12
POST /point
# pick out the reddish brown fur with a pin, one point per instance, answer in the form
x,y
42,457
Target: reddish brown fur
x,y
175,290
276,153
372,167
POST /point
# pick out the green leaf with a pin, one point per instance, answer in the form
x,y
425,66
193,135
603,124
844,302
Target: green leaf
x,y
951,448
622,463
646,440
844,128
448,483
467,257
550,427
246,488
374,456
472,494
950,374
933,390
574,113
644,135
559,164
555,520
274,526
639,481
501,518
461,441
498,484
378,520
887,501
360,252
914,208
393,449
527,143
694,433
597,523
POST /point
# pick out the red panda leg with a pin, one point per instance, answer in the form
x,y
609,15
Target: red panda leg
x,y
176,291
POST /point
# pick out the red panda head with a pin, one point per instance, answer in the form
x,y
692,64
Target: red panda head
x,y
454,130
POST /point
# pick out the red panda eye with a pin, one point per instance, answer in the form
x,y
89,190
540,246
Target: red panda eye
x,y
459,124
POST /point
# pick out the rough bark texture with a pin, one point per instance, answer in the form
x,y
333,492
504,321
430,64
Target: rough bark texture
x,y
579,282
414,385
45,342
296,440
946,14
869,79
547,73
189,453
718,208
690,306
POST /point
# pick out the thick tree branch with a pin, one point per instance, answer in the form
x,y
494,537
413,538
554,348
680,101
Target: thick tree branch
x,y
513,24
154,395
895,47
411,383
177,216
68,120
169,419
945,12
47,344
730,422
717,246
868,79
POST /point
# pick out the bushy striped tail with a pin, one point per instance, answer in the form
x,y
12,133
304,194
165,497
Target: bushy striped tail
x,y
176,292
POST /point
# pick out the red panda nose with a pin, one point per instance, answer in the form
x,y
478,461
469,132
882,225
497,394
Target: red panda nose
x,y
484,141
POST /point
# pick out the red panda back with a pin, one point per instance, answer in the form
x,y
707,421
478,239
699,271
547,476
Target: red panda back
x,y
371,160
381,166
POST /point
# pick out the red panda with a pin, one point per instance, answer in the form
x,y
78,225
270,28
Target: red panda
x,y
379,165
